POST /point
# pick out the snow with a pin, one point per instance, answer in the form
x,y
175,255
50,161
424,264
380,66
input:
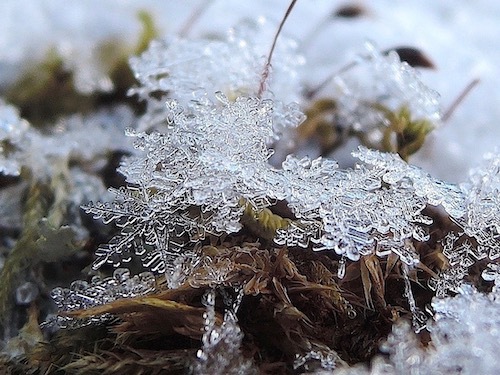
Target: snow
x,y
459,36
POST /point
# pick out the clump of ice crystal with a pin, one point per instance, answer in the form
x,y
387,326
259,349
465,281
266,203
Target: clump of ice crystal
x,y
483,201
83,138
84,295
190,180
382,79
208,157
192,70
221,345
13,130
465,339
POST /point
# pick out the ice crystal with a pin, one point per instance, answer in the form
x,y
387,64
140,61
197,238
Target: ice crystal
x,y
419,318
460,259
79,138
191,71
221,346
492,273
190,180
83,295
449,280
358,215
480,238
326,359
13,130
382,79
397,171
483,201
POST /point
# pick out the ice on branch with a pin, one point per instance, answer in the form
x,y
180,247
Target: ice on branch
x,y
191,71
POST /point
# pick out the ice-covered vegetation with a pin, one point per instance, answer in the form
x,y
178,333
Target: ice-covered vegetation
x,y
214,245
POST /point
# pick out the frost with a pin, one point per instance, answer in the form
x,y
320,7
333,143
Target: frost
x,y
483,201
83,295
191,71
221,346
382,79
13,130
190,181
358,215
80,138
435,191
217,156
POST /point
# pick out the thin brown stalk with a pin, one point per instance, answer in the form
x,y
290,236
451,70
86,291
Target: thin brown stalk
x,y
267,66
459,99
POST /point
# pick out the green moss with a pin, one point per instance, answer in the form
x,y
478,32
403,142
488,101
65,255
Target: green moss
x,y
263,222
403,134
44,238
47,90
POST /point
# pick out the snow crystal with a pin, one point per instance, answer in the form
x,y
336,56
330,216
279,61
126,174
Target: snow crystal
x,y
383,80
192,70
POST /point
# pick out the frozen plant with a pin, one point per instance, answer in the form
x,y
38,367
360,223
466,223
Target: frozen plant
x,y
200,172
380,79
194,176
